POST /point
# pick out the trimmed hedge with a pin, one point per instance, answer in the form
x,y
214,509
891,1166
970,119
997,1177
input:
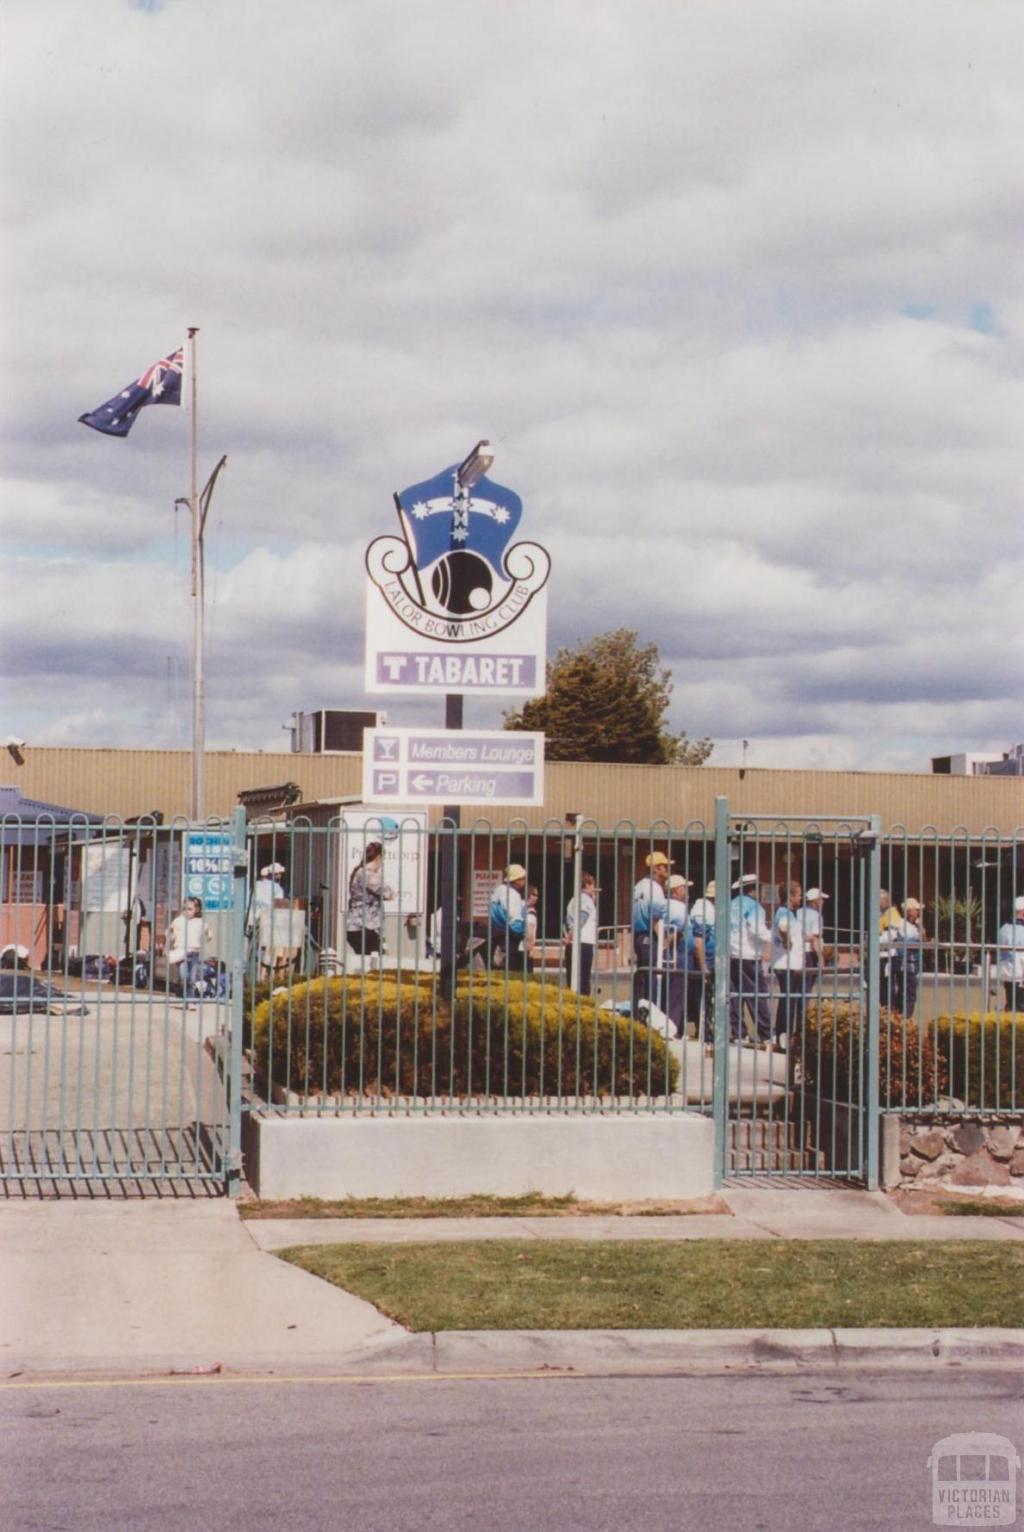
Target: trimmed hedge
x,y
835,1041
983,1053
390,1035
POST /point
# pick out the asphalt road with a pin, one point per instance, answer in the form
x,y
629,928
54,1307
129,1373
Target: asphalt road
x,y
756,1453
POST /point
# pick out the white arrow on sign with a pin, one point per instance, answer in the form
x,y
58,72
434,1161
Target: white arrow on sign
x,y
421,782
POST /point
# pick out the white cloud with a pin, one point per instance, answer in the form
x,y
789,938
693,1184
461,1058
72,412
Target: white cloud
x,y
710,276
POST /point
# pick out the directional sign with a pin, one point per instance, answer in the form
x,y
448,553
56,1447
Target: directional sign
x,y
452,766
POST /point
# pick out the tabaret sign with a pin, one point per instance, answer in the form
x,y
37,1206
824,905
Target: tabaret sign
x,y
455,604
451,766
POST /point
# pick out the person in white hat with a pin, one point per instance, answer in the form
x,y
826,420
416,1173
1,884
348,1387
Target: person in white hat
x,y
588,930
650,907
811,923
702,926
1010,958
749,987
789,952
265,891
267,888
679,954
507,914
902,939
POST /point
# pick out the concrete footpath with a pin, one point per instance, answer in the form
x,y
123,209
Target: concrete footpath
x,y
137,1288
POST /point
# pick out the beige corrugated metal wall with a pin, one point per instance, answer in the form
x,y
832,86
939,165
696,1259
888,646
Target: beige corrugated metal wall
x,y
131,782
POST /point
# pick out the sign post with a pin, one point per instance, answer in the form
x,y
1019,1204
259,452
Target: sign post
x,y
455,606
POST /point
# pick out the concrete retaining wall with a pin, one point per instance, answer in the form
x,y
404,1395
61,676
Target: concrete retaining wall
x,y
598,1158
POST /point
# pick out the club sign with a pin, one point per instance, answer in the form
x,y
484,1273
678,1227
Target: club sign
x,y
456,603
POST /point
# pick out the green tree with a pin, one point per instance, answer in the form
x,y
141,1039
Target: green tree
x,y
606,701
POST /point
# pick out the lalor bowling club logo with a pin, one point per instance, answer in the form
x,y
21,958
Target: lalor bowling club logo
x,y
455,574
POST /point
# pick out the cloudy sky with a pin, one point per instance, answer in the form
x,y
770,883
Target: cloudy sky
x,y
735,288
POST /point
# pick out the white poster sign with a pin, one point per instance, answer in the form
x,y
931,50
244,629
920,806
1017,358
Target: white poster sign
x,y
402,836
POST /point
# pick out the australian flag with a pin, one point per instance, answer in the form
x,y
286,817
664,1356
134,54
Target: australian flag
x,y
437,523
159,384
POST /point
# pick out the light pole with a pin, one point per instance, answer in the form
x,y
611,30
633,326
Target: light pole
x,y
199,506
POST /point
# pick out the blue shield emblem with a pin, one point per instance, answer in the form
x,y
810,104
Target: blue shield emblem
x,y
457,542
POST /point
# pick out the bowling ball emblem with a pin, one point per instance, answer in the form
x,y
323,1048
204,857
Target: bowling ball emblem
x,y
462,582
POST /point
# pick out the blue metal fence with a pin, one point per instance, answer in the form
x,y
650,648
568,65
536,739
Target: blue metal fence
x,y
336,967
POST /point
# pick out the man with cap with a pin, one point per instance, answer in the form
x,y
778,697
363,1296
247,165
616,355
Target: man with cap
x,y
748,937
507,914
650,907
1011,958
587,929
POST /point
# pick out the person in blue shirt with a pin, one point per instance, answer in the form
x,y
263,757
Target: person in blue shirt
x,y
507,914
650,907
678,949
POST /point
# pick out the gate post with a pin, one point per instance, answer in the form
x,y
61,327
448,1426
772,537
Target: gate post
x,y
871,1104
720,1078
233,1062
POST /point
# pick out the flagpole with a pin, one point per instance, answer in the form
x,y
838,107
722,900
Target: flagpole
x,y
198,805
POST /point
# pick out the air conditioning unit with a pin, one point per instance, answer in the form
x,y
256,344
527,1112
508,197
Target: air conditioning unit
x,y
331,729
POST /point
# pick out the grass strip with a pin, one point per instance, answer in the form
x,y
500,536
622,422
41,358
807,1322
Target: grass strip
x,y
530,1205
700,1284
980,1207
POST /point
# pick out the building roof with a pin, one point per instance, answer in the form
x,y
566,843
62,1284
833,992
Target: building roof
x,y
128,782
33,822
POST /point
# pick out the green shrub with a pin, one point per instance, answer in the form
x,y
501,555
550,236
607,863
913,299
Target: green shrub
x,y
373,1034
983,1053
834,1050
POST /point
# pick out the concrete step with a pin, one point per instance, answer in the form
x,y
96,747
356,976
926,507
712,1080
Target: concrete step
x,y
772,1160
771,1144
764,1132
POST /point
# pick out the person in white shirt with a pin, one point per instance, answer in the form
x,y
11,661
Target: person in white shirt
x,y
530,921
748,937
265,892
1010,959
811,919
587,929
187,940
788,965
702,925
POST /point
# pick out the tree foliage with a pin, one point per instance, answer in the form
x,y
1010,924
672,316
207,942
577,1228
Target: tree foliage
x,y
606,701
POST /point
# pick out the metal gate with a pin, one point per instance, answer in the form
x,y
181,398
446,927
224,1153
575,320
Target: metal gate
x,y
118,1066
796,997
